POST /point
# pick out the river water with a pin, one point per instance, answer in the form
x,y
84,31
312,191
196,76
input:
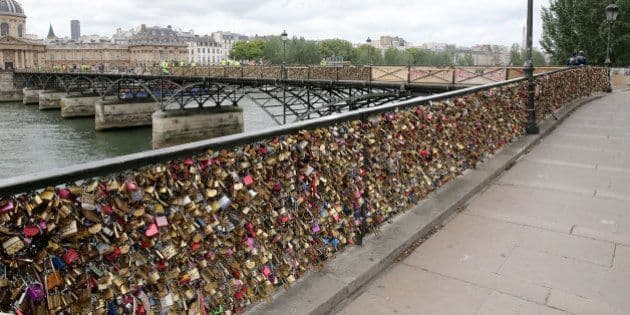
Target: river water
x,y
33,141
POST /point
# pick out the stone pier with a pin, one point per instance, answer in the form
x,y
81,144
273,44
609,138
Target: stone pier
x,y
189,125
50,99
8,92
31,96
78,106
116,114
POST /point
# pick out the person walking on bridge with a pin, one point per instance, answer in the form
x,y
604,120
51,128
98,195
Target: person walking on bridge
x,y
581,59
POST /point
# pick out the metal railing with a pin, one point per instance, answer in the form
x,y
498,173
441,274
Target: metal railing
x,y
104,167
426,75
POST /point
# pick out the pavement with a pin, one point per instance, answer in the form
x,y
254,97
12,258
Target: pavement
x,y
549,236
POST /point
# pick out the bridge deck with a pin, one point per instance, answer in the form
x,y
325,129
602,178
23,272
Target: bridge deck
x,y
551,236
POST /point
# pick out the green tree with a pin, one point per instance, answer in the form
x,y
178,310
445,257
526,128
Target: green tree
x,y
394,56
249,50
419,56
466,60
366,54
301,51
337,47
518,56
573,25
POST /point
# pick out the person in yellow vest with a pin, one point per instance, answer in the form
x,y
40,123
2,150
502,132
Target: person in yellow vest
x,y
164,66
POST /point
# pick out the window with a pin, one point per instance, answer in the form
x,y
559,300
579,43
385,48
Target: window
x,y
20,30
4,29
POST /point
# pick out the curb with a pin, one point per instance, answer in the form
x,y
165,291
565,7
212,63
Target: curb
x,y
319,292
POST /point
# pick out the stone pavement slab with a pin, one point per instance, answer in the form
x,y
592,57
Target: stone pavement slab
x,y
550,236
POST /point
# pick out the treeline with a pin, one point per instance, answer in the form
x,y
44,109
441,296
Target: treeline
x,y
572,26
302,51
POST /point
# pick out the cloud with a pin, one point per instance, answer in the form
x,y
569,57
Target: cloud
x,y
463,22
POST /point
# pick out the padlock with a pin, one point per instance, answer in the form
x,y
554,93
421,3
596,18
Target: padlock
x,y
13,245
69,230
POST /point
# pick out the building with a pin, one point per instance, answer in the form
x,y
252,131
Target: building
x,y
152,45
96,56
228,39
17,50
75,30
136,49
204,51
386,42
51,34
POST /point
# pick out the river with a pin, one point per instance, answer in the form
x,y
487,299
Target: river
x,y
32,141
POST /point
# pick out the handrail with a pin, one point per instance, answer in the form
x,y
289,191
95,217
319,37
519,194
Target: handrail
x,y
105,167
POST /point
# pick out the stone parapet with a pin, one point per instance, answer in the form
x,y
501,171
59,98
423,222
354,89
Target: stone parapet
x,y
189,125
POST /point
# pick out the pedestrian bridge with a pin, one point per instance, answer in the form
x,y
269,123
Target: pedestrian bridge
x,y
224,224
286,94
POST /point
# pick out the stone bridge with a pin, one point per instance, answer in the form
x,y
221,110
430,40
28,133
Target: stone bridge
x,y
221,225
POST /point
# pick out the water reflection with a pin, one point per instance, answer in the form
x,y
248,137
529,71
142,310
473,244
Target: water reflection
x,y
32,140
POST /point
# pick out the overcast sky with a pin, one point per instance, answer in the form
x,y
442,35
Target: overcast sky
x,y
464,22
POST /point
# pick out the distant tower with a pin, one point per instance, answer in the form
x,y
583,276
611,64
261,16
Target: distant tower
x,y
75,30
51,33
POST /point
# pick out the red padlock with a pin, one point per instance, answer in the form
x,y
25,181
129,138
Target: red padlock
x,y
30,231
70,256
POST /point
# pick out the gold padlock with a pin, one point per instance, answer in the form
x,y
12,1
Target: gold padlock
x,y
13,245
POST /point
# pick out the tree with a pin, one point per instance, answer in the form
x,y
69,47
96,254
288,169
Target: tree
x,y
517,59
337,47
250,50
367,54
394,56
466,60
301,52
518,56
573,25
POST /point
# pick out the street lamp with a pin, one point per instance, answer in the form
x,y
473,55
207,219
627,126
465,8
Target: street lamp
x,y
611,16
532,126
369,42
284,37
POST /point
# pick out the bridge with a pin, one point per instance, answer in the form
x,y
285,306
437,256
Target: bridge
x,y
223,224
287,94
209,97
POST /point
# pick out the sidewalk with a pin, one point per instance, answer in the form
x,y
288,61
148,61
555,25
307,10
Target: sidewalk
x,y
550,236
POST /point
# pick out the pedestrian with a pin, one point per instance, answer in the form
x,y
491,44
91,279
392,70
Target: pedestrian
x,y
572,61
581,59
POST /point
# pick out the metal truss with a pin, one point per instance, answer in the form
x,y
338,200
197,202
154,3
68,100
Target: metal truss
x,y
284,101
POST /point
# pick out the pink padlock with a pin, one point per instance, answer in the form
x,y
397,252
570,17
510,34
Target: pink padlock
x,y
7,207
248,180
161,221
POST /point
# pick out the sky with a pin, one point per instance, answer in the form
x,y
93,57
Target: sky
x,y
463,22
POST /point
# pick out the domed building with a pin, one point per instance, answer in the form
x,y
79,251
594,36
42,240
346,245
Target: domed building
x,y
16,51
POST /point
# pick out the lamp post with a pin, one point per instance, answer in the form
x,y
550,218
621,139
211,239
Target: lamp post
x,y
285,37
611,16
532,126
369,43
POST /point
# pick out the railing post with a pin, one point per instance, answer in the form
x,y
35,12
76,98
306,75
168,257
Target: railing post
x,y
337,73
532,125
